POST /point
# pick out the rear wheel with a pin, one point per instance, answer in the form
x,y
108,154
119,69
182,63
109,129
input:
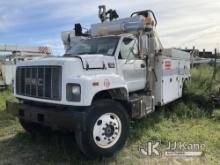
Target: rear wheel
x,y
107,129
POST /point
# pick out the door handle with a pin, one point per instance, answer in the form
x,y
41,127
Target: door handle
x,y
142,65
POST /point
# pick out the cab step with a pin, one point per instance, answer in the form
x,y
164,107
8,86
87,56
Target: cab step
x,y
141,105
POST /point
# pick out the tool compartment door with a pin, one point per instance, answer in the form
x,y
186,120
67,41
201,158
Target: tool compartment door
x,y
170,81
172,68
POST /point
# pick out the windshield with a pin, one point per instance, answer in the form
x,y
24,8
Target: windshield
x,y
102,45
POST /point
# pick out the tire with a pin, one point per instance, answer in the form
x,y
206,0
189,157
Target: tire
x,y
107,129
32,128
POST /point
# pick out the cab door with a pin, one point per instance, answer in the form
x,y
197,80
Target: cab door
x,y
130,66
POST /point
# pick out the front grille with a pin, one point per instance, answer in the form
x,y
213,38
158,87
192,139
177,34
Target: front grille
x,y
39,81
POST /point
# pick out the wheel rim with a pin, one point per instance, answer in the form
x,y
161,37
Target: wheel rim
x,y
107,130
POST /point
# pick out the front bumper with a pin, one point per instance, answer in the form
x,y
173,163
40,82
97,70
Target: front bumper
x,y
51,116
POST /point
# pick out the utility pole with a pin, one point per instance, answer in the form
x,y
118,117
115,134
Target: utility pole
x,y
214,72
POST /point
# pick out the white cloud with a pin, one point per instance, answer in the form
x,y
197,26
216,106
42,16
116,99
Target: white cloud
x,y
180,23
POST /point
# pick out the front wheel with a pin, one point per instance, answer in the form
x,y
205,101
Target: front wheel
x,y
107,129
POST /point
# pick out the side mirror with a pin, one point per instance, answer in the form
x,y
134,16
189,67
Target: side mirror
x,y
119,56
134,51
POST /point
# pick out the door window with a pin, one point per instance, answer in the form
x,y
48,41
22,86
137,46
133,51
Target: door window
x,y
129,49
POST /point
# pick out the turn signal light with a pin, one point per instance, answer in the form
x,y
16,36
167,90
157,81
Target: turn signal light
x,y
95,83
149,20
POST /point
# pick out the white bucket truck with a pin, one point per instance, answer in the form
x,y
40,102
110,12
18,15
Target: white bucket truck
x,y
114,72
18,53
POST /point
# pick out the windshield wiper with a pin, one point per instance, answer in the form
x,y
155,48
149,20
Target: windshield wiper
x,y
81,53
86,53
71,54
67,54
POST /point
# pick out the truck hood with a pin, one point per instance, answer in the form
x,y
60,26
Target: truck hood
x,y
60,61
77,65
97,61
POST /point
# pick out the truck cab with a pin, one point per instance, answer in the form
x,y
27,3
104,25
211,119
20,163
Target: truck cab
x,y
115,56
115,72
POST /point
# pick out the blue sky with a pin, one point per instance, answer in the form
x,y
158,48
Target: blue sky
x,y
180,23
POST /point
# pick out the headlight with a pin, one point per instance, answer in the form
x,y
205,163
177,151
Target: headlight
x,y
76,90
73,92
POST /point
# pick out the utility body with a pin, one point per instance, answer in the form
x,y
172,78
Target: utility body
x,y
116,71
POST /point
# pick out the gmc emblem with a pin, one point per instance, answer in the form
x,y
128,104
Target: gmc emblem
x,y
33,81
